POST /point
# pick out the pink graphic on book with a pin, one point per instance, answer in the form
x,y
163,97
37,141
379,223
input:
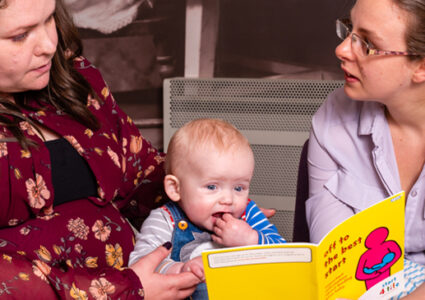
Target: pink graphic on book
x,y
375,263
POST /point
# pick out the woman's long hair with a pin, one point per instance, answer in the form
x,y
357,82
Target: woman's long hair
x,y
67,89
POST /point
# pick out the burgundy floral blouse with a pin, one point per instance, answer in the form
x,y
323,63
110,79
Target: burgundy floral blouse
x,y
80,249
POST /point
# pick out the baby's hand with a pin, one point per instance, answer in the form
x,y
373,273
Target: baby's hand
x,y
231,232
195,266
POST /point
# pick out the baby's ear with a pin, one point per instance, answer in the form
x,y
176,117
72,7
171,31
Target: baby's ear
x,y
172,187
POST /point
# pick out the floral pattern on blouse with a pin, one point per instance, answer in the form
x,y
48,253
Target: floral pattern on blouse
x,y
79,249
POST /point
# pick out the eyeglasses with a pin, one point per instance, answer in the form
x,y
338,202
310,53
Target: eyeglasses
x,y
359,45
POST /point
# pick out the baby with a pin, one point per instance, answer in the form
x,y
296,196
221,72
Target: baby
x,y
209,167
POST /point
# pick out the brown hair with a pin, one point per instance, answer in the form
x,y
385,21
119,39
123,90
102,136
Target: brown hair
x,y
200,133
415,35
67,89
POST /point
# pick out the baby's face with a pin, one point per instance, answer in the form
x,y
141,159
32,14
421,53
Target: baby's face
x,y
214,183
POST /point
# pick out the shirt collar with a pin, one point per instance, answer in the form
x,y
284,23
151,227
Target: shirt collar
x,y
372,118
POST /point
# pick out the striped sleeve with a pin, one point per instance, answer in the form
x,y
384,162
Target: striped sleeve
x,y
267,232
414,276
156,230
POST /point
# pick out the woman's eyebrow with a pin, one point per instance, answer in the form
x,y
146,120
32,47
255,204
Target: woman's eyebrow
x,y
367,32
30,26
23,28
371,34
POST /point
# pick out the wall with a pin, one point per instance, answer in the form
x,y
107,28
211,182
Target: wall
x,y
256,38
291,38
135,59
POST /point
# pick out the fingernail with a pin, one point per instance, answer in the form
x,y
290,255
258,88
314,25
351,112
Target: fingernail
x,y
167,245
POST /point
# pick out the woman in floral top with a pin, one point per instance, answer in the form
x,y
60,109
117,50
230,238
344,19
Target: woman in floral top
x,y
73,167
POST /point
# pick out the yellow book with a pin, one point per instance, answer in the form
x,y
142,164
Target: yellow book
x,y
360,258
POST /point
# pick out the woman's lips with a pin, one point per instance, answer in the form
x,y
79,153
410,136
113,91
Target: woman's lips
x,y
44,68
349,77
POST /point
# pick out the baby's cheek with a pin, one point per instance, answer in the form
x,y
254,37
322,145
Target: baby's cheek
x,y
239,212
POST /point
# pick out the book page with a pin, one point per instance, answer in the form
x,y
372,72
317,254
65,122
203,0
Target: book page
x,y
362,254
261,272
362,251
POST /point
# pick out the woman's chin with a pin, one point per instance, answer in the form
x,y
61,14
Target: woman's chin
x,y
354,93
39,83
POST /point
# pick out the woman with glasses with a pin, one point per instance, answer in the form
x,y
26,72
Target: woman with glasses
x,y
368,139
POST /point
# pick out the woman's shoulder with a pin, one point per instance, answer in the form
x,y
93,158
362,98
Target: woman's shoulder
x,y
89,71
337,108
81,62
95,79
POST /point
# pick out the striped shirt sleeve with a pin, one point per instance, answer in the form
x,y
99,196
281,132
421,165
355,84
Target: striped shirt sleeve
x,y
267,232
156,230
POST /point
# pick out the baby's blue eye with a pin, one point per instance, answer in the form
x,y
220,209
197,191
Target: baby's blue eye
x,y
211,187
238,189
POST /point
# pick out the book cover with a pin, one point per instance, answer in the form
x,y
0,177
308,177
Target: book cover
x,y
360,258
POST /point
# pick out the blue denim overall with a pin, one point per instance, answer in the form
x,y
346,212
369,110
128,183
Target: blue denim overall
x,y
184,234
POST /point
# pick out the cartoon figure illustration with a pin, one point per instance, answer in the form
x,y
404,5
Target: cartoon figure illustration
x,y
374,265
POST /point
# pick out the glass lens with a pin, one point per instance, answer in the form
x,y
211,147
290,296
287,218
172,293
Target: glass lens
x,y
358,45
341,30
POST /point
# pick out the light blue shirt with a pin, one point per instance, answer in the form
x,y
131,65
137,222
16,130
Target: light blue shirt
x,y
352,165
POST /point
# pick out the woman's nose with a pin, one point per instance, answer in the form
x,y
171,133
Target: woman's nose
x,y
343,51
47,42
